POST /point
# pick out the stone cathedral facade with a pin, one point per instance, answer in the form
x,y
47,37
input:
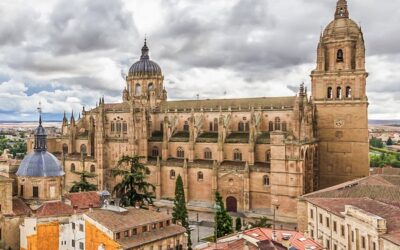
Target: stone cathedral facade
x,y
257,152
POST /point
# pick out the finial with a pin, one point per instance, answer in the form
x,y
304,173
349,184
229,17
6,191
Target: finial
x,y
341,9
39,108
145,50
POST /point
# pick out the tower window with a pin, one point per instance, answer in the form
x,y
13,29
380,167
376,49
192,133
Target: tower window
x,y
138,89
200,176
348,92
154,152
339,93
72,167
266,180
271,126
172,174
125,127
186,126
329,94
268,156
284,126
180,153
339,56
277,123
150,87
237,155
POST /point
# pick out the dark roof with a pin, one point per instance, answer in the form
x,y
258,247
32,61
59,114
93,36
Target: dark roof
x,y
40,164
145,66
20,208
54,209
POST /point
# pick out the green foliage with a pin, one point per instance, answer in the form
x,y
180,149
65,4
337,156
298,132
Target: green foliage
x,y
224,223
389,142
376,143
133,188
261,222
83,185
16,147
238,223
179,213
385,159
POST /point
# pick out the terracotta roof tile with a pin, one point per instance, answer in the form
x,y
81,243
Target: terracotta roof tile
x,y
84,199
20,208
54,209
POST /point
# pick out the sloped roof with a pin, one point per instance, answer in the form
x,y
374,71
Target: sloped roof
x,y
54,209
20,208
83,200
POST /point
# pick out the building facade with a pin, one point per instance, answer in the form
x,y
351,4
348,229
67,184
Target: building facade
x,y
259,153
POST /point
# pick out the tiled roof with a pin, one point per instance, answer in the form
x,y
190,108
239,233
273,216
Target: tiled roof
x,y
54,209
84,199
234,244
20,208
121,221
152,236
389,212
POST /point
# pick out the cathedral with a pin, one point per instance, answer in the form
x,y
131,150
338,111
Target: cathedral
x,y
260,153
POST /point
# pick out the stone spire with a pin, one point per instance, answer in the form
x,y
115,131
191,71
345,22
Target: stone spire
x,y
341,9
145,51
40,135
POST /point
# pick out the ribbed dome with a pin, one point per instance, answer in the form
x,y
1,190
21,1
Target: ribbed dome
x,y
145,66
341,28
40,164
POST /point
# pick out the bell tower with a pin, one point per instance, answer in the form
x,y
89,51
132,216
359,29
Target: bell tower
x,y
339,95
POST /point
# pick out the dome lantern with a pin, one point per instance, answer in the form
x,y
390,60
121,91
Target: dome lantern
x,y
145,66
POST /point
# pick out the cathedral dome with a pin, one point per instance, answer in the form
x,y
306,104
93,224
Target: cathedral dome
x,y
145,66
342,27
40,163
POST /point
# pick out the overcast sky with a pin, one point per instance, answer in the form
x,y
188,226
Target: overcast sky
x,y
68,53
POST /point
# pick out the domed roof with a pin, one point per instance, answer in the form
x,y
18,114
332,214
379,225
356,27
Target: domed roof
x,y
40,164
342,27
145,66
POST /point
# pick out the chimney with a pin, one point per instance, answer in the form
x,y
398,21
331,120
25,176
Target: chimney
x,y
91,207
75,207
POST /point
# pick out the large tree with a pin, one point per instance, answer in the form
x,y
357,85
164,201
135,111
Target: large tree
x,y
83,184
133,188
222,219
179,213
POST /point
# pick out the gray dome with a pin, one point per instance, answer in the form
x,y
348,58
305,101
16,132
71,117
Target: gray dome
x,y
40,164
145,66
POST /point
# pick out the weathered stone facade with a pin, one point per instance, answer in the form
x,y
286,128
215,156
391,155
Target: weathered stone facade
x,y
257,152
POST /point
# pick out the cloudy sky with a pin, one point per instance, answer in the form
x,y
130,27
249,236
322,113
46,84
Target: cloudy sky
x,y
68,53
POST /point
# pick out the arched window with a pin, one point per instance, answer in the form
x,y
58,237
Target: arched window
x,y
216,124
207,154
339,93
284,126
138,89
339,56
119,127
83,149
348,92
180,153
161,126
186,126
271,126
329,95
237,155
200,176
150,87
125,127
241,126
277,123
268,156
65,148
72,167
112,127
92,169
266,180
154,152
172,174
246,127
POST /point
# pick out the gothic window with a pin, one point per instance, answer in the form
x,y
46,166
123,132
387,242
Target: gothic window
x,y
172,174
83,149
216,124
125,127
339,93
211,126
271,126
237,155
200,176
92,169
138,89
266,180
339,56
207,154
72,167
241,126
246,127
186,126
154,152
180,153
268,156
150,87
348,92
119,127
277,123
284,126
330,93
65,148
112,127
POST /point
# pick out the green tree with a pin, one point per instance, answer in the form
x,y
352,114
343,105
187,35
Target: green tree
x,y
224,223
179,213
389,142
238,225
375,142
83,185
261,222
133,188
